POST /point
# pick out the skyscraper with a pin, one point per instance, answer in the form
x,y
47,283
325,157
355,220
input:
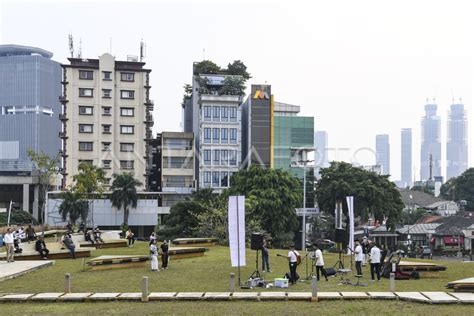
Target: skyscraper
x,y
406,157
457,142
382,151
430,143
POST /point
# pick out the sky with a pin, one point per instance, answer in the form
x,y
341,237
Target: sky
x,y
361,68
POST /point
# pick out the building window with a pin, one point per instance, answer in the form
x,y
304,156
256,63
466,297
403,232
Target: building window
x,y
207,135
88,162
207,156
106,146
106,110
233,136
107,75
126,129
224,157
86,74
215,179
127,76
106,93
85,146
126,112
86,110
207,178
86,128
224,179
224,114
86,92
126,164
216,159
207,113
224,135
215,114
127,147
233,113
106,128
106,164
127,94
233,157
215,135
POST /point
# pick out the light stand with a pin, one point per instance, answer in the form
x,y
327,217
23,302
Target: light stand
x,y
256,274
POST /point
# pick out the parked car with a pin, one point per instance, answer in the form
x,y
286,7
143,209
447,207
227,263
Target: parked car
x,y
426,252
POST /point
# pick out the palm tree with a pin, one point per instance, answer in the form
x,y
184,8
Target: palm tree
x,y
74,206
124,193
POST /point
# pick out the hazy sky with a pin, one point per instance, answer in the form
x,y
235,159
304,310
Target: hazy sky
x,y
359,67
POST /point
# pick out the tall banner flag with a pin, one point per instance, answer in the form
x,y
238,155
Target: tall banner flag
x,y
350,207
236,216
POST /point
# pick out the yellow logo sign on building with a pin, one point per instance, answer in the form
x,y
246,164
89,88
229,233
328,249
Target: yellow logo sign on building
x,y
259,94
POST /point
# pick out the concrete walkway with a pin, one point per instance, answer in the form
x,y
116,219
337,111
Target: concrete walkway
x,y
421,297
15,269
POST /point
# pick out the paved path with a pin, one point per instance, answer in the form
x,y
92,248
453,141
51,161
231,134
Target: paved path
x,y
15,269
421,297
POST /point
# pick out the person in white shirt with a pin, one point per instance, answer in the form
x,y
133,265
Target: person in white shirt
x,y
154,256
375,262
318,256
293,256
359,257
9,245
152,236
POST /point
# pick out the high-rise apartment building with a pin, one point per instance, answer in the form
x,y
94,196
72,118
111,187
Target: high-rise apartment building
x,y
30,86
430,154
457,142
213,114
382,151
406,157
107,116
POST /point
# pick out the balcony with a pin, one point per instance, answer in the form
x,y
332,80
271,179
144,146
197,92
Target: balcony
x,y
63,99
63,154
63,135
221,98
63,118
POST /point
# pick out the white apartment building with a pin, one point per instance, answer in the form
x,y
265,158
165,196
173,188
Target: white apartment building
x,y
107,116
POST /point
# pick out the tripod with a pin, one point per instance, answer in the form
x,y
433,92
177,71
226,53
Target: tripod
x,y
256,274
340,262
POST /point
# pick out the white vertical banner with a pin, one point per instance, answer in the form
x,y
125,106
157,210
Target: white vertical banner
x,y
237,230
350,207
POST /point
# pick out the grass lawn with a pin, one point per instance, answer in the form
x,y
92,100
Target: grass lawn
x,y
211,273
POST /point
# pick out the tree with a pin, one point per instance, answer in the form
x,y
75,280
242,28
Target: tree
x,y
373,194
182,220
206,67
47,168
233,85
460,188
124,193
238,68
274,195
411,217
73,206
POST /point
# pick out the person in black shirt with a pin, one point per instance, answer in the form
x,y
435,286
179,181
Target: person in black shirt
x,y
40,246
164,255
265,257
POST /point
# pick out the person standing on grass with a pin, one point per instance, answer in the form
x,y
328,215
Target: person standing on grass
x,y
164,255
30,233
154,256
265,257
152,236
318,256
129,235
359,257
375,262
9,245
293,256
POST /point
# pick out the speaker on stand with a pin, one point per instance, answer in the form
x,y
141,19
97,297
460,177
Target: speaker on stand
x,y
256,243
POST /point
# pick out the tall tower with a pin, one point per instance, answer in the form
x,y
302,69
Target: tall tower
x,y
406,157
457,142
382,150
430,142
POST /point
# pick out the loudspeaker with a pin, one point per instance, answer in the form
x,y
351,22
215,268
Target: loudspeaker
x,y
256,241
339,237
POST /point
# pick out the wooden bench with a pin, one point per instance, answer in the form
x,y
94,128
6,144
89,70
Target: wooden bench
x,y
195,242
186,252
111,240
56,251
117,262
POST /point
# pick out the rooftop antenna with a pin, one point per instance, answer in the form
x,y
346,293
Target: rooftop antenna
x,y
71,46
203,54
142,50
79,53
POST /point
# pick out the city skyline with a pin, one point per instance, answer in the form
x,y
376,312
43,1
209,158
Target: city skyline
x,y
349,78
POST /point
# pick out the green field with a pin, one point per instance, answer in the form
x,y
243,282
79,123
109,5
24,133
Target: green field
x,y
211,273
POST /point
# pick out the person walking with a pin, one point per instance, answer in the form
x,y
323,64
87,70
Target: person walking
x,y
375,262
359,257
9,245
129,235
293,260
265,257
154,256
318,256
164,255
